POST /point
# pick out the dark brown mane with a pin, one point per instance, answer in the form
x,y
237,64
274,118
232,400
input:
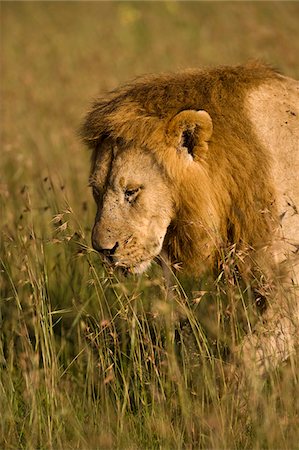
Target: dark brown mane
x,y
134,110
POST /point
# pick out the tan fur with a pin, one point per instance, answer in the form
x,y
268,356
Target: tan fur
x,y
234,181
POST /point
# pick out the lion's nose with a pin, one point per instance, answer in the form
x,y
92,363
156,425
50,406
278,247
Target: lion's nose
x,y
102,240
109,251
105,250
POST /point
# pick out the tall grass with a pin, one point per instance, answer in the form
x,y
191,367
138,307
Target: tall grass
x,y
93,361
90,359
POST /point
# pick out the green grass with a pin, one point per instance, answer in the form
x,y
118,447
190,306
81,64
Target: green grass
x,y
90,360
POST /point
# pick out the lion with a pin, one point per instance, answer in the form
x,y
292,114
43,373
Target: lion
x,y
190,163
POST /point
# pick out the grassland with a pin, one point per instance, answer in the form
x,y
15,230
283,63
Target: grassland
x,y
87,360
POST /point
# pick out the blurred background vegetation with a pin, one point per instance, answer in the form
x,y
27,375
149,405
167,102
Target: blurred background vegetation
x,y
67,379
57,56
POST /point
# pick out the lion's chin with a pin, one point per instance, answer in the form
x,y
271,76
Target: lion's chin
x,y
137,269
142,267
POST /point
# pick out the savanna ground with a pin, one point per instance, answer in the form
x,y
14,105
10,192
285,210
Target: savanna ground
x,y
89,360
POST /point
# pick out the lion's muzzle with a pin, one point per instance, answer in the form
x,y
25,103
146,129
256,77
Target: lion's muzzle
x,y
107,247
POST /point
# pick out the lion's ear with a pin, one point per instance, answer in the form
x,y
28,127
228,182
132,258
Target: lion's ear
x,y
191,130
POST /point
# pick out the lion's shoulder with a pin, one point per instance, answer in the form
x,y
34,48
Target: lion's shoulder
x,y
273,109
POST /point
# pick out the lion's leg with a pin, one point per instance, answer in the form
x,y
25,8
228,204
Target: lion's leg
x,y
275,337
272,342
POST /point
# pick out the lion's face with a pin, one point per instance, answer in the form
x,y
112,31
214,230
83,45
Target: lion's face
x,y
134,206
138,194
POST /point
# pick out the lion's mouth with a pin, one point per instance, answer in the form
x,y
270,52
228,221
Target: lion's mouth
x,y
126,267
136,268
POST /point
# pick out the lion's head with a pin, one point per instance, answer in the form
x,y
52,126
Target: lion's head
x,y
137,197
167,170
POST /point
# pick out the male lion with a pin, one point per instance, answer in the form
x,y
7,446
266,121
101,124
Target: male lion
x,y
191,162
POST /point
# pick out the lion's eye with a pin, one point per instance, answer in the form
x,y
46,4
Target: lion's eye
x,y
131,194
